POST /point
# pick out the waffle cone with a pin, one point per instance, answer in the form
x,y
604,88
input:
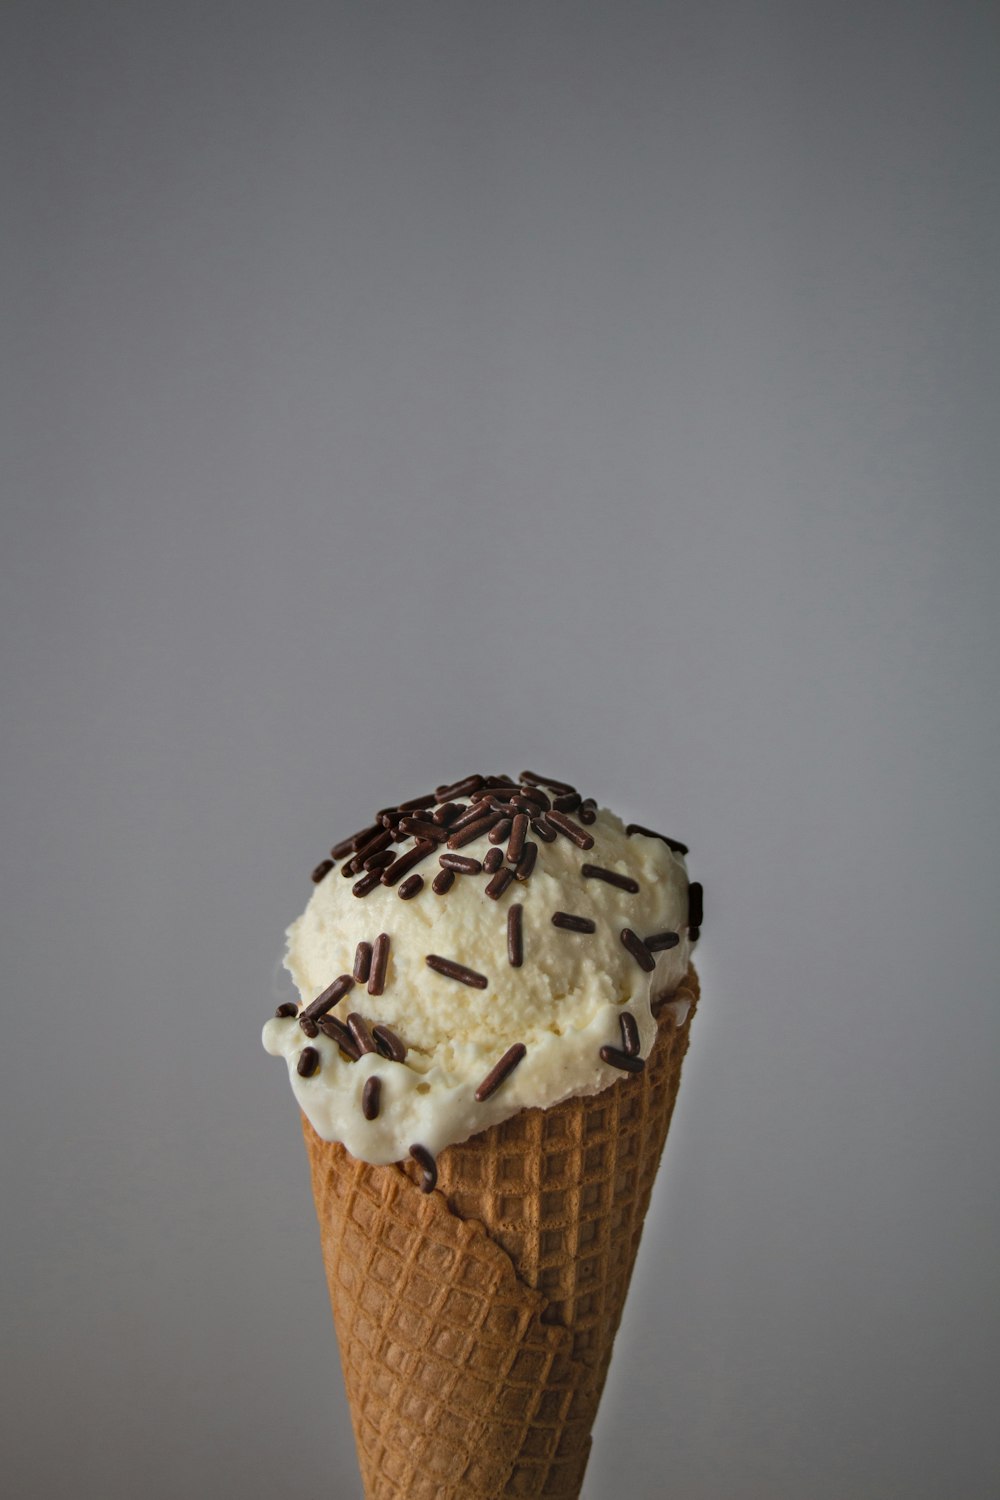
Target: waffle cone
x,y
476,1322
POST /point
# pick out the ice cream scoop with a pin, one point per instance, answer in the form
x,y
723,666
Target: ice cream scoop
x,y
509,935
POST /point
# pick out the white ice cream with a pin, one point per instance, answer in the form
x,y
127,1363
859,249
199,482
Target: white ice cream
x,y
563,1003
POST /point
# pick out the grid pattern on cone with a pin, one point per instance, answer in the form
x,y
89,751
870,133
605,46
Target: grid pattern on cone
x,y
444,1352
561,1191
474,1357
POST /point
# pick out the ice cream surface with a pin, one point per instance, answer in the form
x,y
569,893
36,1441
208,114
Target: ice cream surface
x,y
515,985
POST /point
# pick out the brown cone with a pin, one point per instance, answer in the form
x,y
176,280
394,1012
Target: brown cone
x,y
476,1322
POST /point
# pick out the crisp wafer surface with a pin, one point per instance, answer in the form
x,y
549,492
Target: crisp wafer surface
x,y
476,1322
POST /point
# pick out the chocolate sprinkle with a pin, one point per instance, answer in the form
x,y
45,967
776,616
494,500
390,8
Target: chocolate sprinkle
x,y
452,970
351,845
362,963
416,804
696,904
379,861
659,941
373,846
527,861
361,1032
459,788
598,872
308,1025
308,1062
447,813
468,832
543,831
411,886
428,1165
370,1097
518,834
630,1033
532,797
572,923
367,882
501,880
500,830
337,1032
380,962
365,835
419,829
321,871
330,996
468,815
388,1044
404,864
443,881
504,808
463,864
515,935
347,868
534,807
651,833
579,836
635,945
287,1008
500,1072
588,811
492,860
622,1060
553,786
567,803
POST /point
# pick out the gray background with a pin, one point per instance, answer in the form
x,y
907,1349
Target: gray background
x,y
399,389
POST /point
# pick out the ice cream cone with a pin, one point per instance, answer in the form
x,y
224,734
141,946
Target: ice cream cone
x,y
476,1322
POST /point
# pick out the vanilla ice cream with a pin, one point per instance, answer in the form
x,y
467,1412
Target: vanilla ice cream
x,y
439,997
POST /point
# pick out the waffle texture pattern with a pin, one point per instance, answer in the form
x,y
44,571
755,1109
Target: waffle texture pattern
x,y
476,1322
